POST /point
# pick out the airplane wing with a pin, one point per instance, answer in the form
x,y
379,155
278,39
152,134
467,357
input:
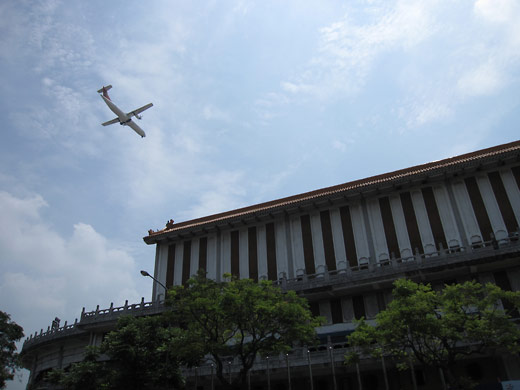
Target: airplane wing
x,y
139,110
111,122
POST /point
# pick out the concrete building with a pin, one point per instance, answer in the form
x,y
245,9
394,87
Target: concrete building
x,y
341,247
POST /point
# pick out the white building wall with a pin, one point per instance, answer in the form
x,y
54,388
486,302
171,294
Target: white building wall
x,y
493,212
401,231
449,224
423,222
337,237
225,253
211,260
297,245
512,190
317,242
466,211
377,230
360,236
160,270
194,259
177,273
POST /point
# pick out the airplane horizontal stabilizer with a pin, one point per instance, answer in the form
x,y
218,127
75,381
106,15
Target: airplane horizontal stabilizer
x,y
106,88
111,122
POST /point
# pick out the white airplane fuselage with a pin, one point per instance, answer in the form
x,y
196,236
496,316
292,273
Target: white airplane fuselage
x,y
124,119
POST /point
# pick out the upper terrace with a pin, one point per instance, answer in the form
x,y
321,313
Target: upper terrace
x,y
345,280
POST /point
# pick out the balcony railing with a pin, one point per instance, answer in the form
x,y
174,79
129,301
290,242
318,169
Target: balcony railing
x,y
388,265
363,272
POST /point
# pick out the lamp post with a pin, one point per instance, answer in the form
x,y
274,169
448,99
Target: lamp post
x,y
144,273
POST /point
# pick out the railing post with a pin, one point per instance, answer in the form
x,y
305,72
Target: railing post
x,y
268,374
288,370
331,353
310,368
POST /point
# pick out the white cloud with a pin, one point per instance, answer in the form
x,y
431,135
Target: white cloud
x,y
497,11
221,191
46,274
211,112
338,145
486,79
349,48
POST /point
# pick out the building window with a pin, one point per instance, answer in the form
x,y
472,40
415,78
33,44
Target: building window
x,y
308,249
503,202
235,254
328,243
314,308
170,265
348,236
359,306
479,208
186,256
253,256
336,312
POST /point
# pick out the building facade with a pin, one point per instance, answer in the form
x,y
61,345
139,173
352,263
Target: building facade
x,y
341,247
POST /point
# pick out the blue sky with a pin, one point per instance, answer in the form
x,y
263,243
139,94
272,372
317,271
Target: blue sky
x,y
253,101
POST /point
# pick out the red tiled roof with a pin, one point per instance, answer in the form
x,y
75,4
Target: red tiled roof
x,y
356,184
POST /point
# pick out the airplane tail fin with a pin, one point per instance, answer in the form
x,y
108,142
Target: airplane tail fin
x,y
104,90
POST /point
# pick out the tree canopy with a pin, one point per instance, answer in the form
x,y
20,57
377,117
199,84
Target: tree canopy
x,y
140,354
10,333
239,318
437,328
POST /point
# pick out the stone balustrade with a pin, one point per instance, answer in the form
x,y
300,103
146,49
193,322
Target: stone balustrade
x,y
352,275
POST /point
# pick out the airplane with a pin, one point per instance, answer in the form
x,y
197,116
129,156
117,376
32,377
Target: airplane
x,y
122,118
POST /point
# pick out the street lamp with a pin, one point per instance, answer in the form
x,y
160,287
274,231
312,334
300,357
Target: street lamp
x,y
144,273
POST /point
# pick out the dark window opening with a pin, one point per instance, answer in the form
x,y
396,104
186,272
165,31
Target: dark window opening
x,y
328,243
314,308
186,257
358,304
503,202
235,254
170,266
308,249
479,208
348,236
271,252
253,255
389,227
411,222
336,311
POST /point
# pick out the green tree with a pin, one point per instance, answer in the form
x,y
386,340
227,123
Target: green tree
x,y
238,318
88,374
138,354
437,328
142,353
10,333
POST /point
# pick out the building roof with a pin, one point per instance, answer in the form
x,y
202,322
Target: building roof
x,y
407,174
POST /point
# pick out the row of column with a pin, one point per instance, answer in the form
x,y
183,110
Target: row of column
x,y
461,212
